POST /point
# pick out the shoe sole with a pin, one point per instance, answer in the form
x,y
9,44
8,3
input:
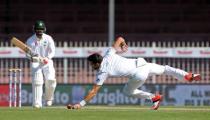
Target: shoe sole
x,y
158,105
197,78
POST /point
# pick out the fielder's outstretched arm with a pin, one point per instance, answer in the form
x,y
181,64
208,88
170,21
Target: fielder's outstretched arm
x,y
87,98
92,93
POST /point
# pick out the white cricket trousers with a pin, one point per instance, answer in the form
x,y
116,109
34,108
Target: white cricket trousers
x,y
142,73
40,73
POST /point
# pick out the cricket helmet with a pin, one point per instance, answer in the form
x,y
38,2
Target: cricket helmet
x,y
39,25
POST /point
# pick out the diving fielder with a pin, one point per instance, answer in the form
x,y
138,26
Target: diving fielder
x,y
137,70
43,47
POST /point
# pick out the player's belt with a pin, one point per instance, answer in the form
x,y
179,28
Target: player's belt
x,y
136,62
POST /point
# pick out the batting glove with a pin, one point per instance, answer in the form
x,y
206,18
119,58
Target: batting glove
x,y
35,59
44,60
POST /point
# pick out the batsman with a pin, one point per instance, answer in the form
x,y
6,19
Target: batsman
x,y
43,48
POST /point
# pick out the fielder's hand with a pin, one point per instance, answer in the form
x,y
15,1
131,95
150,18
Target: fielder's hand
x,y
75,106
124,47
120,45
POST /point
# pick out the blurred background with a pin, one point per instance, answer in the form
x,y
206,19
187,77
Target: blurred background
x,y
168,32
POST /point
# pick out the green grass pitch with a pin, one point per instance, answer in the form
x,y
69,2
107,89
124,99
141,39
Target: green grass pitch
x,y
106,113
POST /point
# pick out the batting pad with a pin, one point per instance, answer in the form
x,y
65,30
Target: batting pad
x,y
50,86
37,89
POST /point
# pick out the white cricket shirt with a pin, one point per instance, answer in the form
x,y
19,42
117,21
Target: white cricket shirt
x,y
44,47
114,65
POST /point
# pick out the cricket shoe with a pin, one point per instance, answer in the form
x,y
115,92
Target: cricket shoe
x,y
156,101
192,77
37,106
49,103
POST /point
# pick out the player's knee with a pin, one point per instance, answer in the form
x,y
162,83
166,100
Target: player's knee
x,y
168,69
50,83
37,78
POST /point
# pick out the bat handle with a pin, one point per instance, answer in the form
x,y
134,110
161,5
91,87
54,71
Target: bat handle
x,y
32,54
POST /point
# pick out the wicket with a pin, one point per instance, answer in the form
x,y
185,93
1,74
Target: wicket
x,y
14,80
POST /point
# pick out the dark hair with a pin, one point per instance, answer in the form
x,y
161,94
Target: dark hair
x,y
95,58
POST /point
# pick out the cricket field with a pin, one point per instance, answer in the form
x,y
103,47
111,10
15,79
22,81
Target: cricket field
x,y
106,113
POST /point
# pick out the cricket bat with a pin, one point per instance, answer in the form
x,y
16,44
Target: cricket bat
x,y
22,46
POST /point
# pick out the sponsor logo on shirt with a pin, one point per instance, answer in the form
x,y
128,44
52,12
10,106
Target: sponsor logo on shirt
x,y
45,43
